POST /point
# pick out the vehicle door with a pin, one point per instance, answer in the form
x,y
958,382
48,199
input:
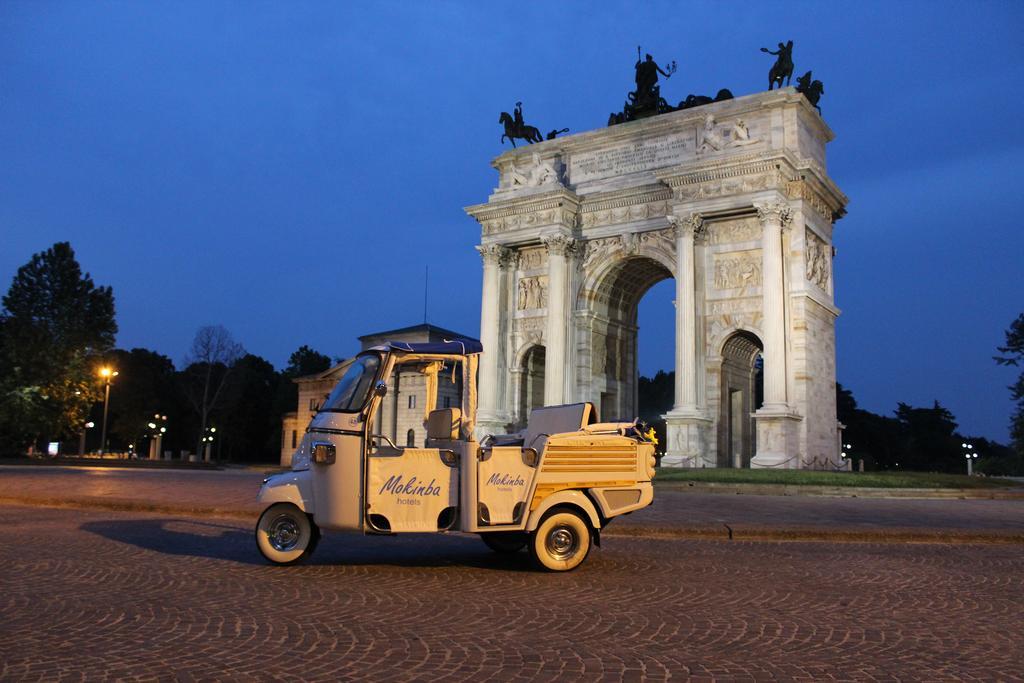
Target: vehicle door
x,y
408,487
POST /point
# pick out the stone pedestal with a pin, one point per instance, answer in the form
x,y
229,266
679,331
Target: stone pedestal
x,y
687,439
778,440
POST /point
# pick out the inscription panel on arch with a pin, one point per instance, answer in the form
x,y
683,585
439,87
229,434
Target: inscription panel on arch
x,y
631,157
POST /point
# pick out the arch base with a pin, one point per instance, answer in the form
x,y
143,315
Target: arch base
x,y
778,444
687,434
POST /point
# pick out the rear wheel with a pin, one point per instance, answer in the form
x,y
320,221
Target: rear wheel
x,y
562,541
505,542
285,534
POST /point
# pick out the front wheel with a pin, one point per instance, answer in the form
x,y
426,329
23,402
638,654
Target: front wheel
x,y
561,542
285,534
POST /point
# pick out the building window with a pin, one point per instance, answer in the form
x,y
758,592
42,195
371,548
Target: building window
x,y
295,438
412,401
410,438
312,405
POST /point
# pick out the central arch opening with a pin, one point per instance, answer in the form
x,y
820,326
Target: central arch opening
x,y
742,383
614,329
531,382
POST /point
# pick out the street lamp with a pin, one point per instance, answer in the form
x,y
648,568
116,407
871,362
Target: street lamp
x,y
81,439
157,430
107,374
971,456
207,453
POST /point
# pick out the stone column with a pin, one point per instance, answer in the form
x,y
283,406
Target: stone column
x,y
685,423
559,246
489,417
773,217
686,311
776,423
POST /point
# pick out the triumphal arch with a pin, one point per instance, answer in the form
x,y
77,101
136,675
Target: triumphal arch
x,y
733,201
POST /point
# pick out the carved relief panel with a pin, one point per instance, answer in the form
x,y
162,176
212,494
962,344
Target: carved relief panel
x,y
818,260
736,230
534,258
532,293
737,269
530,331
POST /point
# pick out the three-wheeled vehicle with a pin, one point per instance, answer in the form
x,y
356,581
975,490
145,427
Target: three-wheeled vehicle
x,y
549,488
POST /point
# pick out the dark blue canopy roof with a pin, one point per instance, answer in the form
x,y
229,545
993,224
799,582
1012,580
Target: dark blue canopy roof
x,y
460,347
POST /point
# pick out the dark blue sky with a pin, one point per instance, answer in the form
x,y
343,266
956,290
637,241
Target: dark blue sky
x,y
284,169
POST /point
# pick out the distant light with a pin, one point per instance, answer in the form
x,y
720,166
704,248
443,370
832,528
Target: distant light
x,y
163,429
152,425
213,429
105,372
90,425
970,446
963,445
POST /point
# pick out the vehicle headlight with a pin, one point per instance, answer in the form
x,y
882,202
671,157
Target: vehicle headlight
x,y
300,461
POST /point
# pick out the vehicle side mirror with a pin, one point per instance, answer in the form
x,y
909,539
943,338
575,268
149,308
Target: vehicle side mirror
x,y
381,389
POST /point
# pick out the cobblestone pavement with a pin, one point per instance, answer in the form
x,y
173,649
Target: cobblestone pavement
x,y
232,493
96,595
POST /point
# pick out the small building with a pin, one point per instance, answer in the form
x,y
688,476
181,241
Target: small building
x,y
403,410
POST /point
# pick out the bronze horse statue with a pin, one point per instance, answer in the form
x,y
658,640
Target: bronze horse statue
x,y
783,66
812,90
528,133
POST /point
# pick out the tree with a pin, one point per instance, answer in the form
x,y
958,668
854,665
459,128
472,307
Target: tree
x,y
929,439
875,439
306,361
208,364
249,427
55,326
145,387
1013,354
656,396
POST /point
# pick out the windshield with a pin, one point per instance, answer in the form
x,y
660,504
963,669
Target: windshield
x,y
354,386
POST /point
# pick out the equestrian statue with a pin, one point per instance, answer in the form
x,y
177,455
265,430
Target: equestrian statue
x,y
515,127
812,90
783,66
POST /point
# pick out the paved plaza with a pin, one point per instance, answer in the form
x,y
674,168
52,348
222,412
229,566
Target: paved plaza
x,y
677,513
99,595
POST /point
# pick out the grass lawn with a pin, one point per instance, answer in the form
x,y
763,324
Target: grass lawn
x,y
894,480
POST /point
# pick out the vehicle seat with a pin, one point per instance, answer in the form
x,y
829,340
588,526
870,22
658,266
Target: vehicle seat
x,y
556,420
443,427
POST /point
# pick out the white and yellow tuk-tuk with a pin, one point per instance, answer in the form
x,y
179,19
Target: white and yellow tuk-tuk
x,y
550,488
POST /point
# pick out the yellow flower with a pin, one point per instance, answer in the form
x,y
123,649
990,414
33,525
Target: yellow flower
x,y
651,436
